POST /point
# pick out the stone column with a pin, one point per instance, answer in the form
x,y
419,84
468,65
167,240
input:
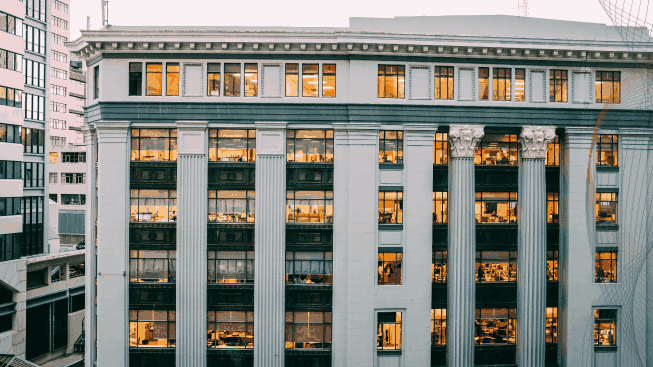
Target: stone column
x,y
531,255
270,245
113,244
192,207
461,284
89,239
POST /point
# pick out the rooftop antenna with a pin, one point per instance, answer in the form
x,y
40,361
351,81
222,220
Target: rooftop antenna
x,y
88,22
105,13
522,7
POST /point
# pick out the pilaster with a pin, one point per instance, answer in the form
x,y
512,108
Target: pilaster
x,y
90,139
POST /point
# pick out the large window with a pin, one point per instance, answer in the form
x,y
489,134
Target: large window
x,y
73,157
58,73
34,39
153,205
390,260
73,178
230,267
391,205
553,153
438,326
154,79
251,80
9,206
135,78
497,149
59,56
607,150
11,61
606,207
34,107
11,97
292,80
558,85
309,146
552,201
154,145
440,207
230,329
443,82
76,270
552,324
552,266
232,145
32,235
152,266
57,124
59,23
605,327
309,207
606,266
608,86
310,83
328,80
308,329
11,170
483,83
152,328
232,80
172,79
33,140
10,134
388,335
304,267
35,9
520,82
33,174
496,266
496,207
73,199
495,325
391,146
501,82
391,81
213,73
58,5
439,267
231,206
11,24
35,75
441,149
10,246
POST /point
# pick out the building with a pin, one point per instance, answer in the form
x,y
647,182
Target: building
x,y
421,191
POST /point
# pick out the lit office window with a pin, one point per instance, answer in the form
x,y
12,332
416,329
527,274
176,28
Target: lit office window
x,y
605,265
172,79
232,145
213,79
558,85
152,328
552,266
231,206
153,205
230,329
443,82
441,149
495,325
391,207
607,150
135,78
496,266
154,79
440,207
551,324
483,83
606,207
152,266
553,153
310,80
309,267
391,81
496,207
608,86
230,267
520,82
605,327
388,331
251,80
292,80
501,82
497,149
438,326
308,329
154,145
552,202
309,207
313,146
391,146
389,267
439,267
232,80
328,80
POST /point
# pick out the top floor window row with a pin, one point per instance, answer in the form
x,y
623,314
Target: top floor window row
x,y
61,6
35,9
310,80
232,145
11,24
154,145
309,146
11,60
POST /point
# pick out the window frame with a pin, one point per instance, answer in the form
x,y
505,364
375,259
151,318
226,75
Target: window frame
x,y
211,80
171,80
496,84
551,325
214,267
441,199
511,153
439,325
603,160
560,81
599,264
385,71
552,263
511,320
607,199
322,276
448,78
441,146
512,206
552,207
248,329
291,206
603,316
165,155
156,79
170,203
170,323
326,72
141,264
326,145
215,201
233,87
381,327
135,87
511,270
615,79
310,76
520,85
291,328
396,155
553,153
396,213
251,81
291,75
439,266
483,83
390,260
249,140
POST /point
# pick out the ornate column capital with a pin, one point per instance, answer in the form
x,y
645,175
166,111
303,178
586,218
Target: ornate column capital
x,y
463,140
534,141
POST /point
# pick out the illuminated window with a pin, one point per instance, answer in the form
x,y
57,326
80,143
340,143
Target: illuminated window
x,y
292,80
154,79
230,329
606,266
605,327
328,80
308,330
443,82
441,149
391,81
520,81
608,85
552,207
606,207
313,146
438,326
497,149
483,83
496,207
172,79
501,82
152,328
552,266
390,266
310,80
213,79
558,85
496,266
440,207
231,206
153,205
551,324
251,80
303,267
607,150
388,331
309,207
391,207
152,266
135,78
54,157
232,80
495,326
230,267
154,145
553,153
391,146
232,145
439,267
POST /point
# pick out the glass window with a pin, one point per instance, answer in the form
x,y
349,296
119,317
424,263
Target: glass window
x,y
292,80
607,150
606,266
309,207
606,207
76,270
552,266
152,328
230,329
389,267
558,85
232,145
441,149
551,324
605,327
315,267
154,79
308,329
497,149
172,79
552,201
439,267
496,266
438,326
153,205
231,206
232,80
230,267
553,153
251,80
391,146
495,326
391,81
496,207
329,80
309,146
391,207
213,79
154,145
388,335
501,82
310,80
520,82
443,82
152,266
73,199
608,86
440,207
483,83
57,274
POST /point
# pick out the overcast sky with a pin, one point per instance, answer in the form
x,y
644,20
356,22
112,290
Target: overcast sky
x,y
298,13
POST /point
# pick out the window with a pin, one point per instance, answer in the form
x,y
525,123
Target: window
x,y
32,235
443,82
552,266
152,266
439,267
553,153
56,89
58,73
36,9
73,157
11,170
391,146
230,329
496,266
552,201
58,5
391,81
34,39
154,79
36,279
438,326
310,80
11,97
152,328
391,207
251,80
231,206
59,23
309,146
9,206
496,207
497,149
53,178
230,267
292,80
388,336
501,82
213,79
309,207
57,124
329,80
606,207
10,134
154,145
308,329
11,61
232,145
58,39
390,266
57,107
440,207
607,150
232,80
77,302
520,82
495,325
73,199
10,246
76,270
96,82
606,266
33,140
605,327
135,78
552,324
57,141
441,149
305,267
483,83
558,85
35,75
11,24
172,79
53,197
608,86
73,178
57,274
33,174
153,205
59,56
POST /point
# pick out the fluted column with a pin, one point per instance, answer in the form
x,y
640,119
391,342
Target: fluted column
x,y
531,255
192,209
461,286
89,239
270,245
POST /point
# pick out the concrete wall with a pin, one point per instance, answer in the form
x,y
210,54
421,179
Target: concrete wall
x,y
75,329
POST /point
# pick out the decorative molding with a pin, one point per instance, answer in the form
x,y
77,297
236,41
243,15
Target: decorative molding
x,y
201,81
264,90
534,141
463,140
473,82
575,98
533,73
429,82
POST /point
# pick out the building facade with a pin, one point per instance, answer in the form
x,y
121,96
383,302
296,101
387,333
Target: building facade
x,y
376,195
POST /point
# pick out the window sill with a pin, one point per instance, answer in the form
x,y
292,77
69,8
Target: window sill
x,y
604,349
390,227
607,168
389,166
388,352
607,227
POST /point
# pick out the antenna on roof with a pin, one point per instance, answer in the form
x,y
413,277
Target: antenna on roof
x,y
522,7
105,13
88,22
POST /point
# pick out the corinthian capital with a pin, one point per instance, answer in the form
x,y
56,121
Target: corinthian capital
x,y
464,139
534,141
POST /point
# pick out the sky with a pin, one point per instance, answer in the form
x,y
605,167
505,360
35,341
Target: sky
x,y
298,13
